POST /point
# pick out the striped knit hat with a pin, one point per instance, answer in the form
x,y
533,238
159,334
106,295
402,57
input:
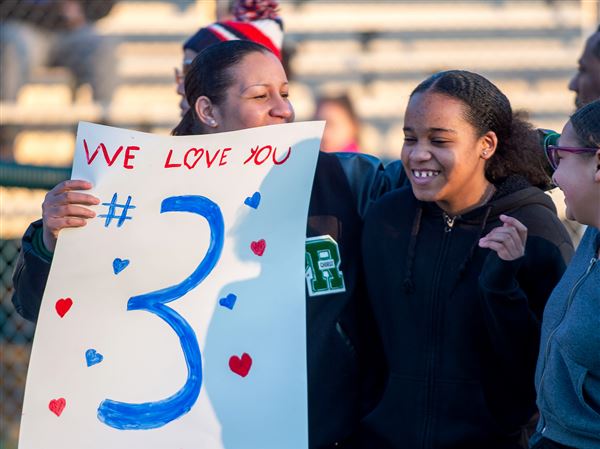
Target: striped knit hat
x,y
255,20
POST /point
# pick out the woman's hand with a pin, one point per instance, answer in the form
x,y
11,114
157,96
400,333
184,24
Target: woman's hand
x,y
507,240
63,208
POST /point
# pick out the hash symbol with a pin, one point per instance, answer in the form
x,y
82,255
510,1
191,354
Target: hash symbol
x,y
111,211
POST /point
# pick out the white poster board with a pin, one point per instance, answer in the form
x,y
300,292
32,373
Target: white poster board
x,y
175,319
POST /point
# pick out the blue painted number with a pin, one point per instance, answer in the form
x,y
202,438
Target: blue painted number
x,y
151,415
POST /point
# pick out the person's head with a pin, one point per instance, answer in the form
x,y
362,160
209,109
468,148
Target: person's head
x,y
460,136
342,128
235,85
255,20
577,162
586,82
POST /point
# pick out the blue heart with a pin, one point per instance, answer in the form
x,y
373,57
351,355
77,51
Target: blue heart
x,y
119,265
92,357
253,201
228,301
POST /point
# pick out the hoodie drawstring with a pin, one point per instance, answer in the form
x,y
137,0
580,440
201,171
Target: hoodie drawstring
x,y
408,284
475,244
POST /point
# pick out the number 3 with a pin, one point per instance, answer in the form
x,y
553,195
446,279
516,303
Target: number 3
x,y
150,415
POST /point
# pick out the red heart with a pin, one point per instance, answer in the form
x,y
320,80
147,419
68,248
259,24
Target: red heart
x,y
197,153
57,406
259,247
63,305
240,366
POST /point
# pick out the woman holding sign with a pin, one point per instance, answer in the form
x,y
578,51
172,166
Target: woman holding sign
x,y
460,296
236,85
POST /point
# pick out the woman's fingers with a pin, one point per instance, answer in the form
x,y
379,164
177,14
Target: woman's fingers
x,y
506,235
498,247
500,242
517,225
73,198
57,224
64,207
65,192
71,184
508,240
69,210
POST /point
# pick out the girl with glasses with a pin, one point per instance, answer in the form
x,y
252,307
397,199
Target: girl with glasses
x,y
568,370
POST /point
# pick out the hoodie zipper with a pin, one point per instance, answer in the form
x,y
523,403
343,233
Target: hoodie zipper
x,y
433,334
564,314
448,221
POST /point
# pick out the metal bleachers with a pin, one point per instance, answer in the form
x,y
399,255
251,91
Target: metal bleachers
x,y
380,51
377,50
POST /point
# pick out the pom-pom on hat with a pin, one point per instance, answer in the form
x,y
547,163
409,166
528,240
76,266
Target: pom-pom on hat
x,y
255,20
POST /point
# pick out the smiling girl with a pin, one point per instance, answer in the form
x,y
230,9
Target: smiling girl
x,y
568,371
457,296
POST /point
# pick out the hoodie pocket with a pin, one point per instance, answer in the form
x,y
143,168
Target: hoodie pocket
x,y
458,416
588,390
572,392
397,421
463,416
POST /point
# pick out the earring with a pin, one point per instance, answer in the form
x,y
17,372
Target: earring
x,y
484,153
212,122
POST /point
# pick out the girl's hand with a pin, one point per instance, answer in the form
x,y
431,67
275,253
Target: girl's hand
x,y
508,240
63,208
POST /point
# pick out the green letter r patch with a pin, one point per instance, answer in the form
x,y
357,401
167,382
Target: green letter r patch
x,y
323,275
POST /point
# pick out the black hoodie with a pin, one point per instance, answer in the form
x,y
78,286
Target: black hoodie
x,y
461,347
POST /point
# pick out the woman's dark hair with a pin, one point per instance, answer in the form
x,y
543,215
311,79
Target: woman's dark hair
x,y
342,100
210,75
519,150
586,122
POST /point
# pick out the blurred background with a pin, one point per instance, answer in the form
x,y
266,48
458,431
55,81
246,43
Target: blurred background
x,y
113,62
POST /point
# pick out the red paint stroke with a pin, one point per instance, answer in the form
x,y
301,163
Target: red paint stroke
x,y
259,155
63,305
192,157
57,406
240,366
258,247
110,160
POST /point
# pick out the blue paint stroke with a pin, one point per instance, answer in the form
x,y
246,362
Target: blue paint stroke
x,y
92,357
119,265
228,301
151,415
253,201
112,206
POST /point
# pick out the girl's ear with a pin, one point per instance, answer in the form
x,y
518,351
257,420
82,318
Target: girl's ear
x,y
597,162
489,143
205,112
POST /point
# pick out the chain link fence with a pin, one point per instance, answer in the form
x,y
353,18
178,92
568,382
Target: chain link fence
x,y
21,192
49,50
16,335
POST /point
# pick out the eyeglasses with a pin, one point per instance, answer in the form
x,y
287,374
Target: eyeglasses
x,y
181,73
552,153
550,141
